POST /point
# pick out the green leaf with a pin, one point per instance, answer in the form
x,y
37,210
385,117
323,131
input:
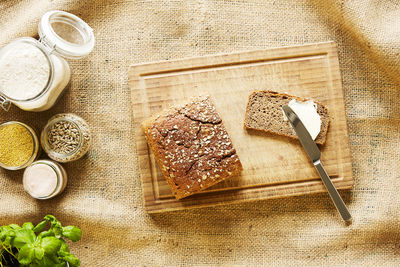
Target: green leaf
x,y
55,225
3,235
14,226
72,260
64,247
51,245
27,225
45,233
57,230
38,253
50,218
25,255
72,232
7,235
46,262
23,237
40,226
54,258
8,240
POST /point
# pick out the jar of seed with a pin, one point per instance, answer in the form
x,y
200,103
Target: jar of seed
x,y
66,137
19,145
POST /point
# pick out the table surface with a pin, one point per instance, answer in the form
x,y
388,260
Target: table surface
x,y
104,195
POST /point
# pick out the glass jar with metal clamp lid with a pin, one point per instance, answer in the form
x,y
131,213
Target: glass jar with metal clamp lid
x,y
34,73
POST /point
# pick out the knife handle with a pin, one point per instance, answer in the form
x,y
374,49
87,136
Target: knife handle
x,y
337,200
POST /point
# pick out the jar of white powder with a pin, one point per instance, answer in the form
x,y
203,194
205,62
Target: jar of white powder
x,y
34,73
44,179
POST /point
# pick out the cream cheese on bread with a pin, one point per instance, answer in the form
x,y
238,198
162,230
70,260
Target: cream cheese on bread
x,y
307,113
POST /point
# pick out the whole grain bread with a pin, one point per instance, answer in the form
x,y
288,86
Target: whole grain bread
x,y
264,112
192,147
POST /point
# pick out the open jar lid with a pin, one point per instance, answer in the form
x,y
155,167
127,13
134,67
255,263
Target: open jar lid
x,y
66,34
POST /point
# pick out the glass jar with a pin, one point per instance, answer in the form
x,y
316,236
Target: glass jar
x,y
44,179
66,137
13,141
34,73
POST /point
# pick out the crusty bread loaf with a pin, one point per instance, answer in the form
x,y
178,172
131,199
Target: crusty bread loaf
x,y
192,147
264,112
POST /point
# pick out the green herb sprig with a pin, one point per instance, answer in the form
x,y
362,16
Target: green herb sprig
x,y
46,249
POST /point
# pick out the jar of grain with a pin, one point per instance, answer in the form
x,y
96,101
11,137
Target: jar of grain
x,y
34,73
19,145
44,179
66,137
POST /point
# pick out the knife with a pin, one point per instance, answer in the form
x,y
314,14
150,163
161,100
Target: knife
x,y
314,154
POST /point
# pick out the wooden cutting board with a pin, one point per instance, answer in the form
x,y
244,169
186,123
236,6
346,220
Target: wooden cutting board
x,y
273,166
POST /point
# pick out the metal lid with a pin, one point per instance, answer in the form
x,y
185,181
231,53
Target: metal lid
x,y
66,34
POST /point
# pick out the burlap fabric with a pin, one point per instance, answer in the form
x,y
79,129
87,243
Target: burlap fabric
x,y
104,194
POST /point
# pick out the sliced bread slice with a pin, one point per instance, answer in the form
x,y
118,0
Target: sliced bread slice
x,y
264,112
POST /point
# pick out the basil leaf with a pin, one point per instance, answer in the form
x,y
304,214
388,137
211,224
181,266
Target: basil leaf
x,y
50,244
54,258
38,253
27,225
8,240
46,262
55,226
7,236
45,233
25,254
57,230
64,247
14,226
3,235
72,232
23,237
50,218
72,260
40,226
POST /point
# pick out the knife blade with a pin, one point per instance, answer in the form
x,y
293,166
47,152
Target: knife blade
x,y
314,154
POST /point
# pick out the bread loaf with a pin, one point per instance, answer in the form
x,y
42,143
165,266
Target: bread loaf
x,y
192,147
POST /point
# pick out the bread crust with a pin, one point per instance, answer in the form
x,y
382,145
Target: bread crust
x,y
191,146
321,138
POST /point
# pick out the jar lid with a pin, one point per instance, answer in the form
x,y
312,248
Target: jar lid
x,y
66,34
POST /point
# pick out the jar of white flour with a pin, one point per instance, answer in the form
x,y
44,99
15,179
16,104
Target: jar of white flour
x,y
34,73
44,179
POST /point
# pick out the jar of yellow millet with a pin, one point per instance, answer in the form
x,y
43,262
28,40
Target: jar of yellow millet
x,y
19,145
